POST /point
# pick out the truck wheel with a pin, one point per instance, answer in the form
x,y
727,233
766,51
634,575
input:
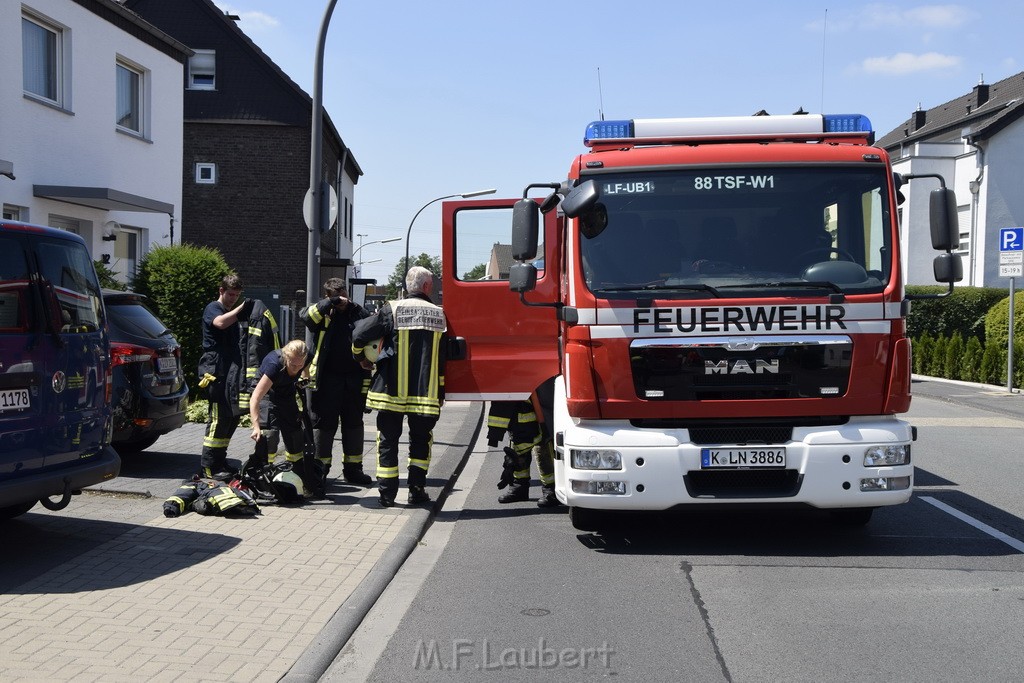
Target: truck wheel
x,y
585,519
12,511
852,516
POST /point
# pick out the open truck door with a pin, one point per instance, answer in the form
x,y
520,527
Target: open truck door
x,y
501,348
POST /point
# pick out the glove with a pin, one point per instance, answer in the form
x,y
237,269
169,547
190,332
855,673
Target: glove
x,y
335,300
508,468
205,381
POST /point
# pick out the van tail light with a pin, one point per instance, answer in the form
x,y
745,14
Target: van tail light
x,y
122,354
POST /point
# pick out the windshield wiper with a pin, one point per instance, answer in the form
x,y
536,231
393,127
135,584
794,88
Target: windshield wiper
x,y
812,284
662,287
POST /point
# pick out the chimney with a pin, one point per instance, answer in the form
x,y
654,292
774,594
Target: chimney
x,y
981,93
919,119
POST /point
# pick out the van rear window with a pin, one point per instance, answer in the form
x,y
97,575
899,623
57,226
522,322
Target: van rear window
x,y
14,287
69,280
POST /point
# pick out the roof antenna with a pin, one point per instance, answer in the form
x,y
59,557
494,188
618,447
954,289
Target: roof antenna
x,y
600,95
824,30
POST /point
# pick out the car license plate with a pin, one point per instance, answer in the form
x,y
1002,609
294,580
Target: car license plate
x,y
739,458
167,364
13,399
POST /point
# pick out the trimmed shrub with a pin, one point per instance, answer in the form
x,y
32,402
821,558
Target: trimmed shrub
x,y
971,367
952,364
936,362
181,280
993,364
963,311
921,351
997,321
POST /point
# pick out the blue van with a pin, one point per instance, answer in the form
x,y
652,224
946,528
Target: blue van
x,y
55,375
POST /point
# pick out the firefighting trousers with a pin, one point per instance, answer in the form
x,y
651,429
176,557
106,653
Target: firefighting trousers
x,y
221,424
421,440
339,400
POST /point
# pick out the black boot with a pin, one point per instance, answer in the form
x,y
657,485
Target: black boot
x,y
353,474
518,491
418,495
547,497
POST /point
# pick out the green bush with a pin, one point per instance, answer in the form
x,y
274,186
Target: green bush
x,y
937,360
198,411
962,311
993,364
108,279
921,352
971,367
181,280
952,364
997,321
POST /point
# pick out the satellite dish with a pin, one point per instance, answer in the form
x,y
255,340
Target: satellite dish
x,y
110,229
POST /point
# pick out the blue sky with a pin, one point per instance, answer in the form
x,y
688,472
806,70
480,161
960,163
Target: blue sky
x,y
452,96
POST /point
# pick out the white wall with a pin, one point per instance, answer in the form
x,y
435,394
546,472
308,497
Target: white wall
x,y
1002,198
81,146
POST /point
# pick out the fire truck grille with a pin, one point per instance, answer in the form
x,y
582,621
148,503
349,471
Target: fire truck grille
x,y
743,483
720,369
739,432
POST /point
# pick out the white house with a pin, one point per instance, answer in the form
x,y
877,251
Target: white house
x,y
91,141
976,142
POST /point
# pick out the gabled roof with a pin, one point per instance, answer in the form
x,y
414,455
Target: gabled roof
x,y
257,90
133,24
979,114
502,254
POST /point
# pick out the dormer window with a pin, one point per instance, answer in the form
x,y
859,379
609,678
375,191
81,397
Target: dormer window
x,y
202,70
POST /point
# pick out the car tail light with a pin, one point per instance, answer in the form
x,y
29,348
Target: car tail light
x,y
123,354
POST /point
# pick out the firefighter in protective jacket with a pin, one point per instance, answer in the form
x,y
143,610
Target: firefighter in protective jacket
x,y
519,419
338,383
408,382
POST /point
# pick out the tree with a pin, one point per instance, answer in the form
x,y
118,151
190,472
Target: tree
x,y
476,272
396,282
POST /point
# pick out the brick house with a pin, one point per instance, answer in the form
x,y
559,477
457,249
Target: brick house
x,y
246,156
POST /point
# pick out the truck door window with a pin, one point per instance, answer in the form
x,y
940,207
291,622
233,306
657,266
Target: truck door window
x,y
483,244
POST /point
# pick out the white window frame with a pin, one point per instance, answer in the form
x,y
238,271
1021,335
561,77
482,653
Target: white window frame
x,y
15,213
205,166
202,70
139,97
60,51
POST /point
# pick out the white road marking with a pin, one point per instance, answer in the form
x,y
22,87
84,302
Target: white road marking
x,y
981,526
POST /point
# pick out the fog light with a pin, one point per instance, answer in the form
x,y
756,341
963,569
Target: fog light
x,y
885,484
593,459
613,488
882,456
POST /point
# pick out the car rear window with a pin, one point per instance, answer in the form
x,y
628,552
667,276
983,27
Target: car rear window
x,y
133,317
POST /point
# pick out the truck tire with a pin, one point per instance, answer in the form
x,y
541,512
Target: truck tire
x,y
585,519
12,511
852,516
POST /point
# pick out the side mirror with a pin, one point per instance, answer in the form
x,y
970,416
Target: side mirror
x,y
522,277
550,202
580,199
942,216
525,229
948,268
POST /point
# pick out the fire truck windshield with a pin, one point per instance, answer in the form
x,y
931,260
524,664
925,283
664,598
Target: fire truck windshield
x,y
770,228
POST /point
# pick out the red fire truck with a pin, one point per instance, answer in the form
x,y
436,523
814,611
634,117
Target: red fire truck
x,y
711,312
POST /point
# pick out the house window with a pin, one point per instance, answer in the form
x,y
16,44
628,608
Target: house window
x,y
14,213
206,174
41,59
202,67
129,98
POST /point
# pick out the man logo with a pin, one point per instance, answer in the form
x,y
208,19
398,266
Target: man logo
x,y
741,367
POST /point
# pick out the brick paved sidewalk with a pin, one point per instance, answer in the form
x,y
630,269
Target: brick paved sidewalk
x,y
205,598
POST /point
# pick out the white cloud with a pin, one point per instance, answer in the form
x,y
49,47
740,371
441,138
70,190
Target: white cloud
x,y
903,63
923,16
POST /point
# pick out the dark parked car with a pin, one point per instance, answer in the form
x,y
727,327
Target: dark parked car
x,y
150,394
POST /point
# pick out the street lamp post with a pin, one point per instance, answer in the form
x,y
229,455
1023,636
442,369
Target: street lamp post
x,y
464,195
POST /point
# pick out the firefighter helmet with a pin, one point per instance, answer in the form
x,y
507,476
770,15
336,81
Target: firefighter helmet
x,y
372,350
288,486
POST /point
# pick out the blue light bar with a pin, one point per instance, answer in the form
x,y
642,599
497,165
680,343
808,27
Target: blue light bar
x,y
603,130
847,123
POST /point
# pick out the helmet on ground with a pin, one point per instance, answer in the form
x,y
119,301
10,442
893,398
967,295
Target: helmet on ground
x,y
372,350
288,486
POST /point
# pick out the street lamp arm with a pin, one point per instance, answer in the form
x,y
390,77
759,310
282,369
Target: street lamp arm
x,y
464,195
384,241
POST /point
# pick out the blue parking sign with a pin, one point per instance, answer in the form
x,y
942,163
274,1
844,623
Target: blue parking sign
x,y
1011,239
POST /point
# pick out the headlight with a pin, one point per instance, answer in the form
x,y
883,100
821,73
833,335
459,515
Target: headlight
x,y
594,459
881,456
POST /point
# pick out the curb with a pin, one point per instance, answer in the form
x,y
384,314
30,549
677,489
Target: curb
x,y
325,647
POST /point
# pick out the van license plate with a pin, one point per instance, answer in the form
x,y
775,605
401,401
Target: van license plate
x,y
13,399
726,458
167,364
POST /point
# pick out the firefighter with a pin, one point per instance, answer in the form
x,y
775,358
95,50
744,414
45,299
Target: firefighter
x,y
339,384
526,435
221,372
280,375
408,382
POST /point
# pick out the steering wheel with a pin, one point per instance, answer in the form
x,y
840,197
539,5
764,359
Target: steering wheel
x,y
842,253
